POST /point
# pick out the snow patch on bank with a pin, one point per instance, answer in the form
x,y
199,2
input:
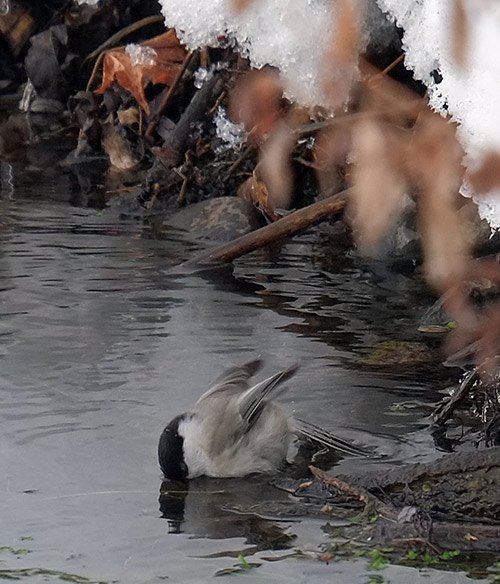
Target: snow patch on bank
x,y
292,35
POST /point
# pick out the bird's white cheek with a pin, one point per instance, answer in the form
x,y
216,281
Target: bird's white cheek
x,y
195,456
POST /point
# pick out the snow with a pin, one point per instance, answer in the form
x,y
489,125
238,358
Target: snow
x,y
141,55
232,135
470,92
293,34
269,32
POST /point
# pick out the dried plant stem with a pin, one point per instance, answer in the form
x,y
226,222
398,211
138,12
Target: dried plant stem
x,y
123,33
390,67
244,155
167,97
386,510
458,396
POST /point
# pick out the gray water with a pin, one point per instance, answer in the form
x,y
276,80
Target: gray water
x,y
103,338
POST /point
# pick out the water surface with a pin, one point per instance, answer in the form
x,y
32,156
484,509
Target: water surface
x,y
103,339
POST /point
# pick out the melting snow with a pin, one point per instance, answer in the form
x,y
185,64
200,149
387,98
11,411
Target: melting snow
x,y
292,35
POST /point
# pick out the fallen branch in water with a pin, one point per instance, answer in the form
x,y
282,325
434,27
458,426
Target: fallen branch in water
x,y
356,492
431,520
285,227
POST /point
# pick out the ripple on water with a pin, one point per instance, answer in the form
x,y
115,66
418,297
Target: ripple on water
x,y
103,340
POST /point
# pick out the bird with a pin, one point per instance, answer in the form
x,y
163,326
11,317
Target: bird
x,y
235,429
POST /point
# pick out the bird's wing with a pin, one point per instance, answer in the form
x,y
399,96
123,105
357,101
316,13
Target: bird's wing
x,y
250,402
233,380
324,438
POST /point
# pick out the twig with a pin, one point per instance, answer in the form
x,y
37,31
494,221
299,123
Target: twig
x,y
386,510
167,97
390,67
284,227
95,68
457,397
238,161
217,103
194,112
182,193
121,34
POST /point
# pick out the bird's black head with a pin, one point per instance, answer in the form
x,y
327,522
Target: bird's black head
x,y
171,451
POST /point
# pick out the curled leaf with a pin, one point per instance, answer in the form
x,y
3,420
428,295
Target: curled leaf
x,y
341,58
275,167
255,191
256,102
241,5
459,32
117,148
436,165
331,148
378,184
487,176
165,56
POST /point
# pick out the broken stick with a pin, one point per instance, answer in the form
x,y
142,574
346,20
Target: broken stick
x,y
386,510
284,227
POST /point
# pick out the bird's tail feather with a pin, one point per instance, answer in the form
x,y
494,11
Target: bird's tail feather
x,y
324,438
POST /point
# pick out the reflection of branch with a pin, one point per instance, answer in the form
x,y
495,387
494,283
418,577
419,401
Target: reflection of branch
x,y
285,227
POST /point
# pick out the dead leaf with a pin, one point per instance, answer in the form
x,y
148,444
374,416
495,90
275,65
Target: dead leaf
x,y
129,116
469,537
487,176
436,166
481,332
378,184
275,167
118,67
241,5
459,32
330,151
254,191
341,57
117,148
17,26
256,102
396,101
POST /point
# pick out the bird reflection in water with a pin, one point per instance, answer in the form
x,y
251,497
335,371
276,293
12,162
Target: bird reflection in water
x,y
227,508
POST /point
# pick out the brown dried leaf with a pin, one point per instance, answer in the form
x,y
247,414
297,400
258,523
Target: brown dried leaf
x,y
241,5
330,150
459,32
17,26
129,116
437,169
377,197
341,58
443,241
256,102
487,176
275,168
255,191
479,331
346,42
117,148
117,67
390,97
488,353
